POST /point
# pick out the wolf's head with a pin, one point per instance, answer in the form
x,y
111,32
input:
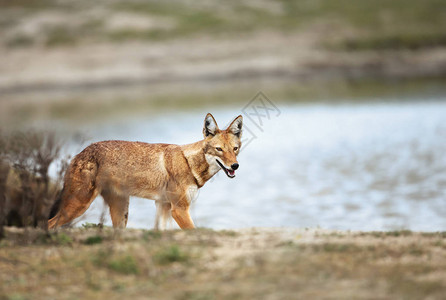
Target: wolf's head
x,y
223,146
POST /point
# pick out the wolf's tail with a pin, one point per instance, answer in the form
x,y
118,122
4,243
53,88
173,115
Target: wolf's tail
x,y
79,188
56,205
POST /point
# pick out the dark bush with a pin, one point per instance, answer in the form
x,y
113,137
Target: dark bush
x,y
27,192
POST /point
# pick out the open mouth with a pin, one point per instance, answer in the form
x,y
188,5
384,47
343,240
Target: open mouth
x,y
229,173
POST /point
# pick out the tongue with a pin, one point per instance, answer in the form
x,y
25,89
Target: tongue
x,y
231,172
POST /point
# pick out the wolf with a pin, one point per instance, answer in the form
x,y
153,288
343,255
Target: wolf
x,y
167,173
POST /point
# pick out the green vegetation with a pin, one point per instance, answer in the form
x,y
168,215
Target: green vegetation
x,y
124,264
378,24
170,254
61,239
26,4
60,35
388,233
355,25
395,42
88,225
150,235
91,240
20,41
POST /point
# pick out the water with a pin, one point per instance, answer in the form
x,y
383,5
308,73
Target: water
x,y
372,166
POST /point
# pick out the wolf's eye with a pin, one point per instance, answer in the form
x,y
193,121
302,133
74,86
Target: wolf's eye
x,y
219,149
235,148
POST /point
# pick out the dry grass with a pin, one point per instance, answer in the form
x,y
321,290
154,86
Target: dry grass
x,y
206,264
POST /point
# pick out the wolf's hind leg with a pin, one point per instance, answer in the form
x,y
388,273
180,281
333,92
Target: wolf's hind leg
x,y
163,214
119,208
72,206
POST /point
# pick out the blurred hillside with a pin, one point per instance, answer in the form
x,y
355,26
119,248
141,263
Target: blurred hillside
x,y
114,51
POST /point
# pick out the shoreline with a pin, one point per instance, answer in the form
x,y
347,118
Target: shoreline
x,y
310,64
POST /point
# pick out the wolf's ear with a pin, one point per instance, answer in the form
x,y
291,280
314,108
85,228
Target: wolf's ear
x,y
210,126
236,126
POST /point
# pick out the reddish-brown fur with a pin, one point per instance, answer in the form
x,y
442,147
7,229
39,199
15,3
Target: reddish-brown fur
x,y
166,173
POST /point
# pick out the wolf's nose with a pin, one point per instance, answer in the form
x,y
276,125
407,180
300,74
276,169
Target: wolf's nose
x,y
234,166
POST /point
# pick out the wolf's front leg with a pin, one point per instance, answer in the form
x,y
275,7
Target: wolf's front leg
x,y
182,217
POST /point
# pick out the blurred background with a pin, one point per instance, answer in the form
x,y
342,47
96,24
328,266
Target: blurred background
x,y
344,101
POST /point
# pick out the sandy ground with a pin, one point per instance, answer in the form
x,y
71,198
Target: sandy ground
x,y
203,59
265,263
